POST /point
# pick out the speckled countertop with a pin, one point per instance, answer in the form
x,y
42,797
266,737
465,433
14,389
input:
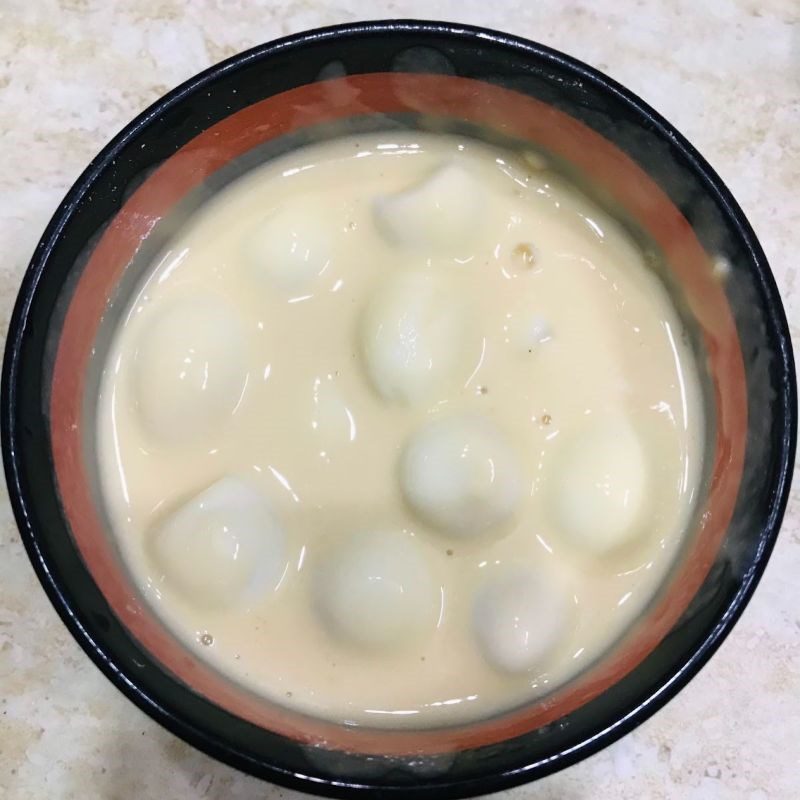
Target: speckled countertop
x,y
725,72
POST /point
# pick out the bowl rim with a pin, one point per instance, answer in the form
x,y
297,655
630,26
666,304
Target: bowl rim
x,y
214,746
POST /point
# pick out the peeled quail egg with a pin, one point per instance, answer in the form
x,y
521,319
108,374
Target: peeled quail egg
x,y
440,214
519,618
222,547
376,591
190,367
461,475
526,332
331,418
415,337
288,249
600,483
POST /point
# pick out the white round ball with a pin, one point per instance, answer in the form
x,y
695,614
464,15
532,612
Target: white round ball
x,y
520,617
221,548
415,337
527,332
461,475
288,250
600,486
441,214
376,591
332,421
190,368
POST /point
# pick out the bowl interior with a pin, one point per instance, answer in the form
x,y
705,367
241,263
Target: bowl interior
x,y
384,77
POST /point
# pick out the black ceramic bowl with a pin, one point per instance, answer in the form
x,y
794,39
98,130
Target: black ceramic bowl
x,y
373,76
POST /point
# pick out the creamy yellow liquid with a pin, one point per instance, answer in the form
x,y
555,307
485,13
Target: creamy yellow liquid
x,y
566,329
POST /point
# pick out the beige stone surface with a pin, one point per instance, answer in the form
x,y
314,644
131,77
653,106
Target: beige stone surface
x,y
725,72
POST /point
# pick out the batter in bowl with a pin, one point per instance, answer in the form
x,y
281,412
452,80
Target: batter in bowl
x,y
400,430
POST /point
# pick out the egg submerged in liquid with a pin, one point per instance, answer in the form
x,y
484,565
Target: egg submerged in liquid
x,y
223,547
461,475
415,337
190,368
600,487
375,591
